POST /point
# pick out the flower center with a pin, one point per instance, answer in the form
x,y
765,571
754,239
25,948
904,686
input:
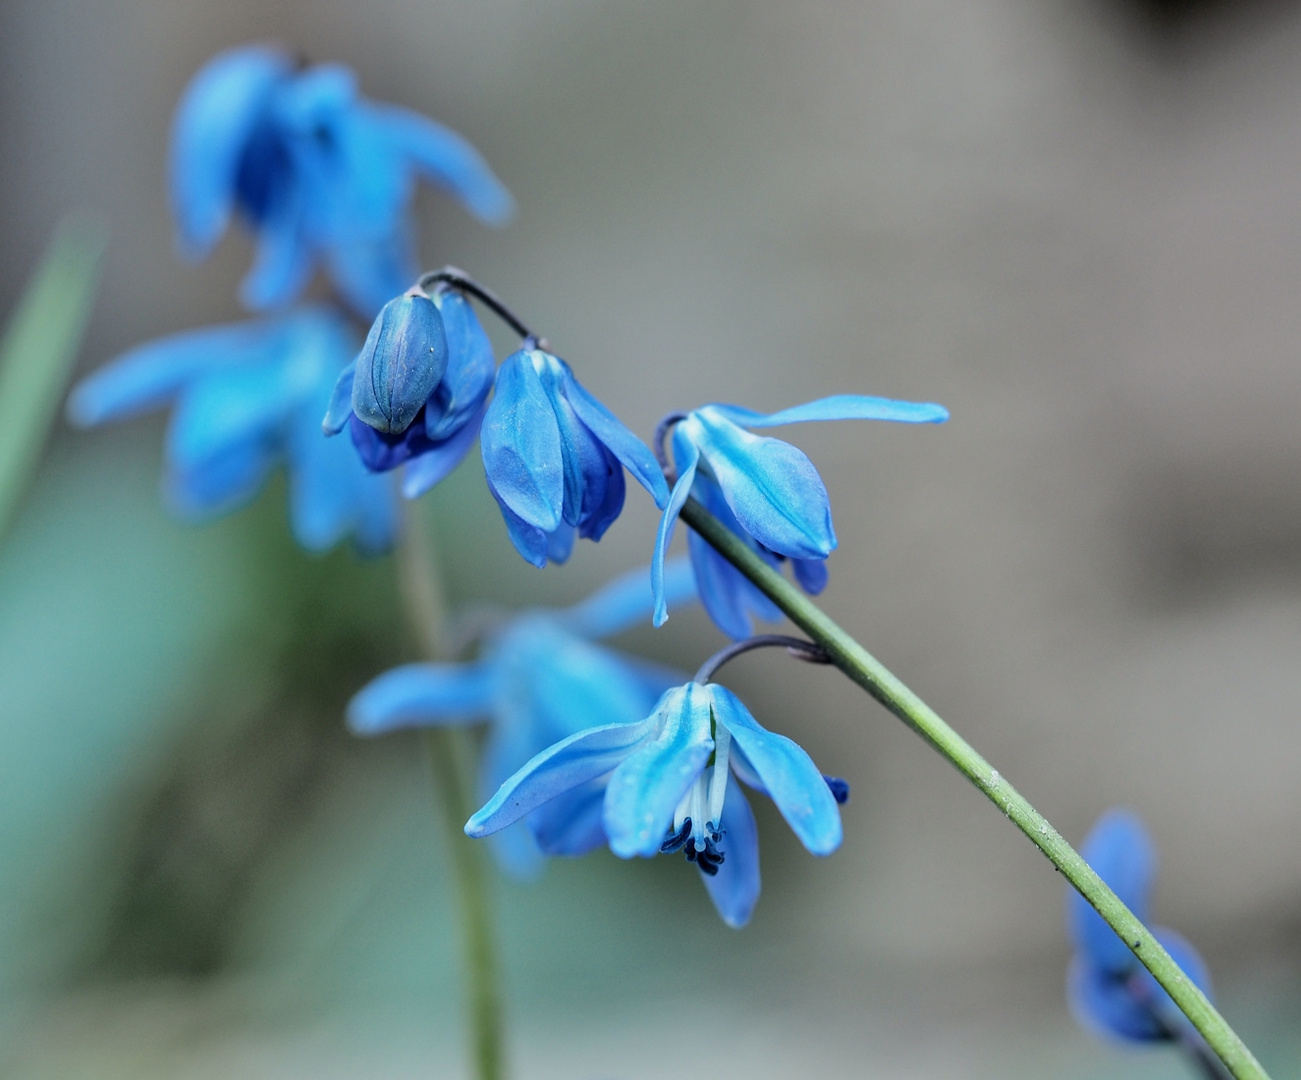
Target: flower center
x,y
696,828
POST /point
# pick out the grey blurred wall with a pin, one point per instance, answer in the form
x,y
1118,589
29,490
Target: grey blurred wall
x,y
1079,230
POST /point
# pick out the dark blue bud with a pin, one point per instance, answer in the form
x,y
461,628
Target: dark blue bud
x,y
400,365
839,789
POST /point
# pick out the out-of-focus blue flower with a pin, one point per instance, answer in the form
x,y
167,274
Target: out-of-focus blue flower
x,y
662,785
246,397
316,171
554,457
764,490
432,441
1110,992
538,680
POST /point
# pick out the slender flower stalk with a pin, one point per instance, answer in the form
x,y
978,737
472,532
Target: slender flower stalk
x,y
869,673
449,755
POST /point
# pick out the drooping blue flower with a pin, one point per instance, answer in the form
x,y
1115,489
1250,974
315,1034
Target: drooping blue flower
x,y
539,679
554,457
1110,992
432,438
245,398
764,490
316,171
665,789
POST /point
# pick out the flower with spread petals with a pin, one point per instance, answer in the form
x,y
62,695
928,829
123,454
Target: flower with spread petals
x,y
539,678
764,490
554,457
244,398
1110,992
317,172
417,392
664,788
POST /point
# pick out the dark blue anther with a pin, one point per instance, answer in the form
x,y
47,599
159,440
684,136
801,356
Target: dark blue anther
x,y
676,841
839,789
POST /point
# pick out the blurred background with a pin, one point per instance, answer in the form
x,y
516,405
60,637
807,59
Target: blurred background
x,y
1076,224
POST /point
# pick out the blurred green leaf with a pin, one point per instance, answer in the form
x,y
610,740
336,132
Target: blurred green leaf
x,y
40,343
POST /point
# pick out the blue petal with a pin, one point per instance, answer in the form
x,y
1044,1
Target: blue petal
x,y
811,574
773,488
220,483
214,123
571,824
645,790
446,159
432,466
521,447
282,260
222,408
566,765
340,407
1107,1005
470,368
560,543
687,457
331,494
628,600
610,430
727,595
792,780
735,888
531,542
719,584
1121,851
841,407
150,375
421,695
403,359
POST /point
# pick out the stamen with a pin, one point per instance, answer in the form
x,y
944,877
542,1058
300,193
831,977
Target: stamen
x,y
839,788
676,841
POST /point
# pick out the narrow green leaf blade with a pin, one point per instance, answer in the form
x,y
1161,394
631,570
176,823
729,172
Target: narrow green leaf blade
x,y
37,351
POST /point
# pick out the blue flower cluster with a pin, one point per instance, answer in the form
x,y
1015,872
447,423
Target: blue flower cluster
x,y
316,171
1110,992
660,784
764,490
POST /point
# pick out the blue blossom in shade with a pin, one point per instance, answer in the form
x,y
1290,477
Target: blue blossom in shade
x,y
554,458
538,680
1110,992
764,490
666,789
316,171
245,398
443,427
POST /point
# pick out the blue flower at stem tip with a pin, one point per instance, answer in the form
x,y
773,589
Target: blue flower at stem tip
x,y
662,785
1110,992
417,392
316,171
245,398
554,457
764,490
538,679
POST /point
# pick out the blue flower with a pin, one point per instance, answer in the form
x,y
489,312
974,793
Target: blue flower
x,y
316,171
538,680
427,431
246,397
554,457
1110,992
764,490
662,785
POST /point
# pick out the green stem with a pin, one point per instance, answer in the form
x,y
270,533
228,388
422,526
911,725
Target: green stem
x,y
864,669
450,756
